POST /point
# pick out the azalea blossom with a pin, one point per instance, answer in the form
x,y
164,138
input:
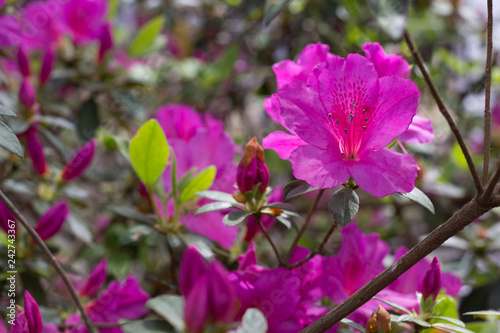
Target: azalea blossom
x,y
348,115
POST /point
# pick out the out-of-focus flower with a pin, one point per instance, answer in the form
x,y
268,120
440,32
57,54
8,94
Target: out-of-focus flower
x,y
23,62
10,31
52,221
41,28
347,115
35,151
83,19
209,295
431,285
79,162
95,280
252,170
198,142
27,94
47,65
105,40
5,216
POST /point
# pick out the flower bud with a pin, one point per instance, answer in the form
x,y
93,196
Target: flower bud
x,y
106,41
47,65
193,266
23,62
372,325
431,285
197,309
5,216
252,170
52,221
95,280
32,313
384,318
35,152
222,297
79,162
27,94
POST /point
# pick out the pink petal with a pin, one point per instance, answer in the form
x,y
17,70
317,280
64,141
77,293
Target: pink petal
x,y
197,309
95,280
283,143
385,64
287,71
384,172
179,121
420,131
247,259
210,225
193,267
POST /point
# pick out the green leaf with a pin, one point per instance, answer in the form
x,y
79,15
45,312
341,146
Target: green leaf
x,y
236,217
489,326
412,319
146,36
394,305
273,8
87,119
201,182
9,141
284,221
149,152
213,206
5,111
451,320
296,188
446,306
419,197
353,324
147,326
170,307
391,15
344,205
451,328
483,314
79,228
280,205
134,234
222,68
186,179
217,196
128,212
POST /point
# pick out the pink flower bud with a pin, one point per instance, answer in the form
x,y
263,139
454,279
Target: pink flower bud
x,y
193,266
5,216
20,324
222,296
47,65
79,162
197,310
106,41
431,285
23,62
252,170
95,280
27,94
52,221
35,151
32,313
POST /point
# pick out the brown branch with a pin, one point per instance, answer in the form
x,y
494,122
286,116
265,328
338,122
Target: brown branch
x,y
451,227
304,226
257,217
318,249
487,105
52,259
490,188
444,111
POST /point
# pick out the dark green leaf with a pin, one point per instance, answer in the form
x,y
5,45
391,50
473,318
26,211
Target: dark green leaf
x,y
353,324
146,36
170,307
296,188
201,182
236,217
147,326
125,99
281,205
79,228
213,206
391,15
217,196
131,213
56,121
344,205
273,8
9,141
5,111
284,221
134,234
420,198
87,119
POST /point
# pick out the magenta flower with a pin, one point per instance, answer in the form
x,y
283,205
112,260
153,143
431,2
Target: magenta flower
x,y
105,40
47,65
35,151
419,131
431,285
10,31
209,295
252,170
23,62
200,141
52,221
386,64
28,320
27,94
348,116
96,280
5,216
83,19
79,162
41,27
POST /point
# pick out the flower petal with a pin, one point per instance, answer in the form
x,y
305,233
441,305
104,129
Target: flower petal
x,y
420,131
283,143
319,167
385,172
386,64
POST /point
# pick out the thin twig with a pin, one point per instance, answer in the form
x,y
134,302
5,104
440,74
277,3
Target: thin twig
x,y
444,111
451,227
490,187
52,260
318,249
487,89
304,226
264,231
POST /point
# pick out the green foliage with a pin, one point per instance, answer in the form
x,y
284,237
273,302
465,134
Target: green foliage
x,y
146,37
87,119
170,307
344,205
9,141
201,182
419,197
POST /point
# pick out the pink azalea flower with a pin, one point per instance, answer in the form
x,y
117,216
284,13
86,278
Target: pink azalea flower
x,y
96,279
83,19
5,216
10,31
347,115
386,64
200,142
29,319
41,28
47,65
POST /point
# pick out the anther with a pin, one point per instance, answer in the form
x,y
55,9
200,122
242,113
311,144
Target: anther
x,y
329,115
